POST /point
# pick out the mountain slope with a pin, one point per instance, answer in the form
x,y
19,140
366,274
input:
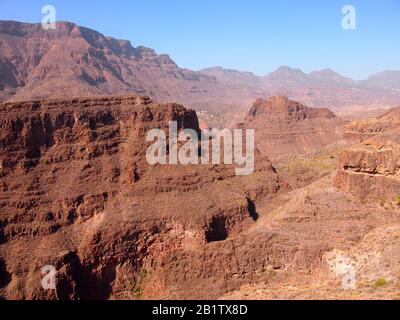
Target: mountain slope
x,y
77,61
385,79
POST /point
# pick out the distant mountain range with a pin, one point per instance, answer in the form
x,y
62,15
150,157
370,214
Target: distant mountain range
x,y
386,79
288,77
77,61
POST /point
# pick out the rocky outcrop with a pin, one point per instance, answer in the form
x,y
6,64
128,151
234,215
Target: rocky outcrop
x,y
360,130
371,170
77,193
282,110
285,127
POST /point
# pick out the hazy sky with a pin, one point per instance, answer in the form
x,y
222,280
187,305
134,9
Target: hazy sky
x,y
253,35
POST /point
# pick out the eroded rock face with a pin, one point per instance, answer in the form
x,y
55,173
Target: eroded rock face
x,y
77,61
371,170
285,127
77,193
281,109
363,129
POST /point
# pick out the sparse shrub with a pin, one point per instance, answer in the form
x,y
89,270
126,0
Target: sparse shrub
x,y
137,291
382,202
380,282
307,199
398,200
138,287
241,202
273,273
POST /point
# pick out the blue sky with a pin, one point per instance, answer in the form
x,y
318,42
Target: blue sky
x,y
253,35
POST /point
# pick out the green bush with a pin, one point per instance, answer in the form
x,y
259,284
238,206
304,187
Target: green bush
x,y
380,282
398,200
137,291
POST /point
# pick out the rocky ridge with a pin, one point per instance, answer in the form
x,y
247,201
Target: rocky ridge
x,y
360,130
371,170
78,194
285,127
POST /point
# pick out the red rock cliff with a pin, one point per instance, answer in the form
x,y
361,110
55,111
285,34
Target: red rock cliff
x,y
77,193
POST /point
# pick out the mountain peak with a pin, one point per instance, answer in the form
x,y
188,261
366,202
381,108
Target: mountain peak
x,y
389,79
283,109
94,64
286,76
288,69
220,69
326,71
328,76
